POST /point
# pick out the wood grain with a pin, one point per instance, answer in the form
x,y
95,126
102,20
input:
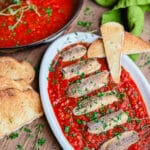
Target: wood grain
x,y
34,56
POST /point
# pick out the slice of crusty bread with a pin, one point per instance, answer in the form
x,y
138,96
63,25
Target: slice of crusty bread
x,y
15,70
132,45
7,83
18,108
96,49
113,39
19,103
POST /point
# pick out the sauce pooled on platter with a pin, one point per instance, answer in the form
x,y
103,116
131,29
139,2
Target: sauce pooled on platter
x,y
75,127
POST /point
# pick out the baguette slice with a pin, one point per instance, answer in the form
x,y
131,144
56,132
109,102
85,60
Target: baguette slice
x,y
17,109
16,70
113,38
132,45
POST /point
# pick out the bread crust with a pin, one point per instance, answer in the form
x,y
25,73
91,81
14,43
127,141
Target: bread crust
x,y
19,103
113,39
132,45
15,70
17,109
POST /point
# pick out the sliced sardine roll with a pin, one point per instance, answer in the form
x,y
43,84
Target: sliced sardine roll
x,y
82,67
93,103
87,85
123,142
107,122
74,53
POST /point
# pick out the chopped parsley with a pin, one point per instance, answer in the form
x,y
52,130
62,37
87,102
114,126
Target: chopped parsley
x,y
124,128
13,135
83,129
79,121
137,120
67,129
40,127
119,116
41,141
36,69
19,147
86,24
87,9
82,75
27,130
21,129
120,95
102,109
51,69
78,81
96,72
94,116
130,119
16,1
49,11
147,63
100,94
104,125
117,134
109,111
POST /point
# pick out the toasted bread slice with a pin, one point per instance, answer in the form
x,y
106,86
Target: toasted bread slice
x,y
7,83
16,70
18,108
113,38
132,45
96,49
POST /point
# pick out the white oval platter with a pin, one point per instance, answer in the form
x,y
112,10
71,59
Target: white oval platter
x,y
51,52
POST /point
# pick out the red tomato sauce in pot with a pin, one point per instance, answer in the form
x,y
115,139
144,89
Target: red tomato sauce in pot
x,y
74,127
34,20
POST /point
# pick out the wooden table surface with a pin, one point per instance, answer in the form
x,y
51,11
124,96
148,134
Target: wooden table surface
x,y
35,55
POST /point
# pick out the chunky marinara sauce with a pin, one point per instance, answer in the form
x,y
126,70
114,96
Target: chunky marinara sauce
x,y
40,19
74,127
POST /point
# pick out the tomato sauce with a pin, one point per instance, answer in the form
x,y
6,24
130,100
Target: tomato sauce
x,y
43,18
74,127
